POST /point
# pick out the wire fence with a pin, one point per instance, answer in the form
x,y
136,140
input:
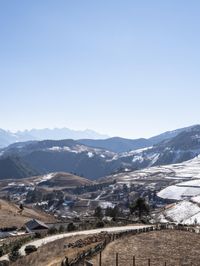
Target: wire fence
x,y
126,260
122,260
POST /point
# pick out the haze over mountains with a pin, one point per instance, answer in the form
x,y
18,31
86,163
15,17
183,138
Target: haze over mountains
x,y
87,137
8,137
98,158
117,144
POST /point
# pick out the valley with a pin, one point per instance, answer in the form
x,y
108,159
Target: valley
x,y
65,185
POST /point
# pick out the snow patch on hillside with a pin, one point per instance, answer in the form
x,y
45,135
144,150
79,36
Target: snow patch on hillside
x,y
183,212
178,193
44,178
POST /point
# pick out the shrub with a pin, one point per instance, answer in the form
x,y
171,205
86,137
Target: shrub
x,y
38,235
140,206
61,229
98,212
52,230
71,227
1,251
100,224
15,254
112,212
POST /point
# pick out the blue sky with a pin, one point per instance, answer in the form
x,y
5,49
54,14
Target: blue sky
x,y
127,68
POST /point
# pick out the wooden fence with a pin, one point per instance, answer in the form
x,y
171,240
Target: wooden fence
x,y
83,258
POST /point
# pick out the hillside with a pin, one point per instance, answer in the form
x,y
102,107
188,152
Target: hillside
x,y
71,156
86,137
120,145
63,156
14,167
10,215
172,247
117,144
62,180
183,212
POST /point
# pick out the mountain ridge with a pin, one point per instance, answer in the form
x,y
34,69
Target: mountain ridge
x,y
71,156
7,137
117,144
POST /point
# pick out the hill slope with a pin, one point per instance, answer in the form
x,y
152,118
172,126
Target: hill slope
x,y
117,144
61,180
14,167
10,216
71,156
120,145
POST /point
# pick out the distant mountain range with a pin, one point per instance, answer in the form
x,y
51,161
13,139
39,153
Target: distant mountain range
x,y
86,157
8,137
118,145
86,137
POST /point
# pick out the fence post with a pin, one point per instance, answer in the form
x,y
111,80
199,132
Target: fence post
x,y
149,262
117,259
133,260
165,263
100,258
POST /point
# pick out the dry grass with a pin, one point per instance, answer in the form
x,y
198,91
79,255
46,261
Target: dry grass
x,y
62,180
176,248
58,181
52,254
10,216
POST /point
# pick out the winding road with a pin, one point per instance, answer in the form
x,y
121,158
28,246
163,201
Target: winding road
x,y
40,242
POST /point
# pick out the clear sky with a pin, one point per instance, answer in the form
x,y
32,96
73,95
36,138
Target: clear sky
x,y
121,67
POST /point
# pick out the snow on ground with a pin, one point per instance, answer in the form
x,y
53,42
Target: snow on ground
x,y
56,148
138,158
90,154
154,157
134,152
195,219
196,199
12,184
106,204
84,149
181,190
183,212
162,219
44,178
192,183
189,169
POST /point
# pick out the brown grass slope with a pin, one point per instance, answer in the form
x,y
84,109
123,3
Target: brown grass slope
x,y
10,215
62,179
53,253
173,247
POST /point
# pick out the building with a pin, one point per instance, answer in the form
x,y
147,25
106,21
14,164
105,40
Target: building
x,y
36,226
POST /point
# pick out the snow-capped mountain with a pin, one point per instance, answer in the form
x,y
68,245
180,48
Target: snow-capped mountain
x,y
8,137
87,137
183,147
72,156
